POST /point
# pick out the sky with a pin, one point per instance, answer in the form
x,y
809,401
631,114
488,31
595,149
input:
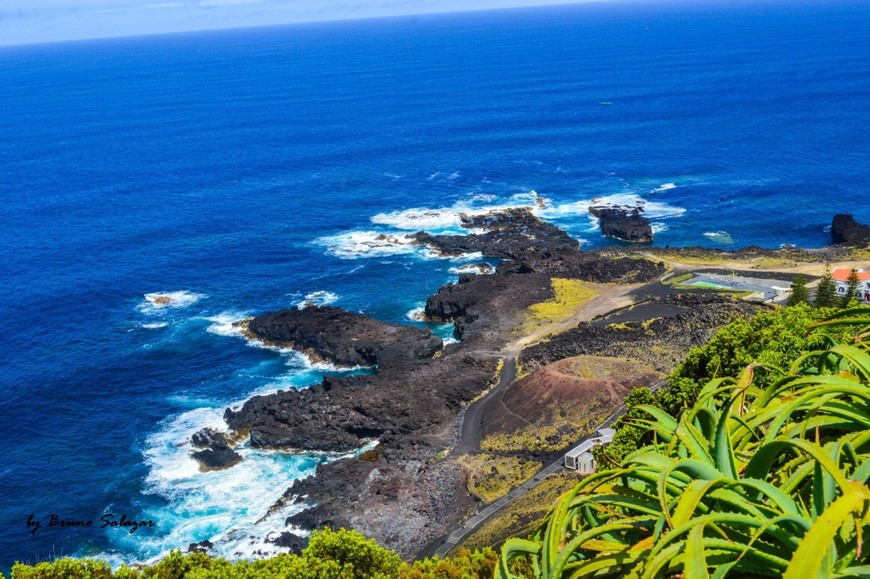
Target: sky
x,y
36,21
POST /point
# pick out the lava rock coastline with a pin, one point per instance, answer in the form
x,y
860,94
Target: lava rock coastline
x,y
343,338
400,494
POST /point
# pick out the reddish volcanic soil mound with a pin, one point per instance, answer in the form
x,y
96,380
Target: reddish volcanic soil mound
x,y
550,407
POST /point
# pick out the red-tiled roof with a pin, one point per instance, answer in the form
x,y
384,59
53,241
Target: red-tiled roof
x,y
843,275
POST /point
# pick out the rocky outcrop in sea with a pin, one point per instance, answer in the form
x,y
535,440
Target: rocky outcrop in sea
x,y
846,231
623,223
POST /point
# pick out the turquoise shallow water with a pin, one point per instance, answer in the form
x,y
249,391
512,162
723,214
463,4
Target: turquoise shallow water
x,y
242,171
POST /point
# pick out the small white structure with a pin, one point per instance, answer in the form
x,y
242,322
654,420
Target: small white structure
x,y
606,434
580,457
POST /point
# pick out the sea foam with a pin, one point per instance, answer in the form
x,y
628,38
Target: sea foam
x,y
417,314
395,239
721,237
651,209
355,244
318,298
157,302
228,507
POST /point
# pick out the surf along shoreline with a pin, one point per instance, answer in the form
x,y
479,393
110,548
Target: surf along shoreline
x,y
413,487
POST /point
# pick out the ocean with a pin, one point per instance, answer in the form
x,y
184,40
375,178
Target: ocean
x,y
244,171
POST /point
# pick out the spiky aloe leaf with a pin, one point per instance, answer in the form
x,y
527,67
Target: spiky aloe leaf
x,y
512,549
810,558
696,561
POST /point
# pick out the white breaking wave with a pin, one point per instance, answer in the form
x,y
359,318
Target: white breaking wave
x,y
223,324
318,298
229,507
157,301
448,221
651,209
155,325
417,314
665,187
658,227
354,244
722,237
226,507
478,268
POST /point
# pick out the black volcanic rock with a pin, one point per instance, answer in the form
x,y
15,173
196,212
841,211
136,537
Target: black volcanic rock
x,y
290,541
201,547
406,498
846,231
625,223
681,322
526,282
344,338
509,234
341,414
216,453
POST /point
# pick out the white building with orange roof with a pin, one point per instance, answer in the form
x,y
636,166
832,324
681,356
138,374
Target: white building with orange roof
x,y
841,276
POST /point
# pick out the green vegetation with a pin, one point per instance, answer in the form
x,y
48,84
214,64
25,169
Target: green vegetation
x,y
464,565
772,339
492,477
853,284
330,555
678,278
799,292
826,291
763,475
568,296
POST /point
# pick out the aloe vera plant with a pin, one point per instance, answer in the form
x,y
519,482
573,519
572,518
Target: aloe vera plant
x,y
749,481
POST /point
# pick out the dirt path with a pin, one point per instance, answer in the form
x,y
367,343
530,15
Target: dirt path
x,y
607,299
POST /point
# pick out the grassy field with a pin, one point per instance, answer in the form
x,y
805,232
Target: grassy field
x,y
568,296
522,516
492,477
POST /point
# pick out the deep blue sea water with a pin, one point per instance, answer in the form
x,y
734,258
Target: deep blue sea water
x,y
242,171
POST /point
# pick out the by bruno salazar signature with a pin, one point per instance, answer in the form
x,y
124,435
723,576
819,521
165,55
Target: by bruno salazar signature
x,y
107,520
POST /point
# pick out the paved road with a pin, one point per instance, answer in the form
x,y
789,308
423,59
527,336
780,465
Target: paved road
x,y
472,426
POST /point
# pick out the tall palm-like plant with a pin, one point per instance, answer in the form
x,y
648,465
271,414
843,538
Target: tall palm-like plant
x,y
749,482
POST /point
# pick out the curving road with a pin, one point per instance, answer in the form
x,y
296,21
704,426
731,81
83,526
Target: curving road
x,y
472,424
